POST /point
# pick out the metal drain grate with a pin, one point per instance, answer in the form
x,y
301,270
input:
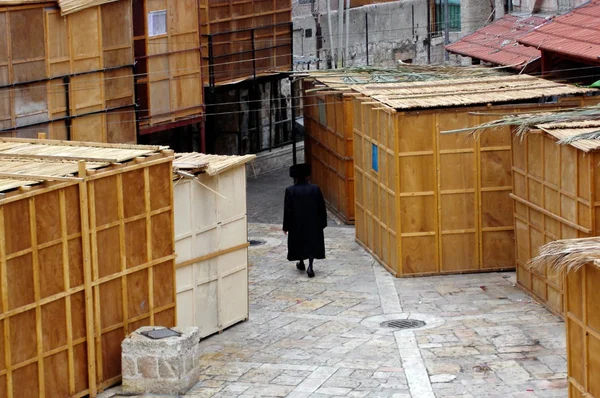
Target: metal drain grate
x,y
256,242
403,324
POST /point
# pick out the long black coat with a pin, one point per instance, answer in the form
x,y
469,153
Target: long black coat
x,y
304,219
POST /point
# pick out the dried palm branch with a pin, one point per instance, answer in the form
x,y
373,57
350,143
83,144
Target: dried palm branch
x,y
567,255
524,122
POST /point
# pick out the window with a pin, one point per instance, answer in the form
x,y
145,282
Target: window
x,y
305,1
322,112
157,23
308,33
440,16
374,157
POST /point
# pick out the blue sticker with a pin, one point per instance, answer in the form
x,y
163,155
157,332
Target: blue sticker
x,y
375,157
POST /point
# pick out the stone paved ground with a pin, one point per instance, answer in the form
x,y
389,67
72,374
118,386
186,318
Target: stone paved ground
x,y
322,337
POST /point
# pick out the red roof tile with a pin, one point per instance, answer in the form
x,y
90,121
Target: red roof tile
x,y
576,34
496,43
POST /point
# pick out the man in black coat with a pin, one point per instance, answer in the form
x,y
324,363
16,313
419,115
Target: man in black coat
x,y
304,219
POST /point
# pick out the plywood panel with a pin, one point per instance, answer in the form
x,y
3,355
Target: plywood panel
x,y
556,201
331,159
211,242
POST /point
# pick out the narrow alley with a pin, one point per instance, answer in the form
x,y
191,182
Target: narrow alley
x,y
323,337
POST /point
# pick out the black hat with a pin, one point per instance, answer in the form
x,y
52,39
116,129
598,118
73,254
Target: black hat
x,y
300,170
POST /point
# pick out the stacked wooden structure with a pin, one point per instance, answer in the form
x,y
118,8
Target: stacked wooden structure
x,y
245,39
211,240
429,204
86,257
577,261
556,196
169,88
69,76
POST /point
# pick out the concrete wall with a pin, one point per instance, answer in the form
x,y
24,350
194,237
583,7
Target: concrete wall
x,y
398,31
549,7
277,159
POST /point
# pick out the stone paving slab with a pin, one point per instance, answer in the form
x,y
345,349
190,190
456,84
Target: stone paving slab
x,y
312,338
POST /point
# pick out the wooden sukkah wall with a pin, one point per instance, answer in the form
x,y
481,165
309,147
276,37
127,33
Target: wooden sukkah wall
x,y
71,76
84,261
556,196
211,239
249,38
582,313
576,261
168,81
329,148
431,204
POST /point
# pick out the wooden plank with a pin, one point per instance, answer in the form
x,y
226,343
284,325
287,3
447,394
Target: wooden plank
x,y
551,215
88,277
149,256
5,306
67,285
122,252
36,290
38,177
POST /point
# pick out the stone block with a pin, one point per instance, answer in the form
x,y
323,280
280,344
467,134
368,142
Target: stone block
x,y
164,366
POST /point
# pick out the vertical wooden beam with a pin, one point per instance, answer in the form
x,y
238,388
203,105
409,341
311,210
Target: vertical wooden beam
x,y
67,285
87,275
122,253
397,123
586,334
478,198
11,76
4,279
437,197
172,216
95,276
37,296
148,209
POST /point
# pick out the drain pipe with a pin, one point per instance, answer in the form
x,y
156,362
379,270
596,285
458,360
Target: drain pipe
x,y
340,32
330,33
347,52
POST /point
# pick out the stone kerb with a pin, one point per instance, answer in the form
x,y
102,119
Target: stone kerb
x,y
164,366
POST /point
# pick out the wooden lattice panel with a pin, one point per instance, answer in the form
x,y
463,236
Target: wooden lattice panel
x,y
37,43
45,341
328,148
555,196
249,37
69,298
376,190
582,314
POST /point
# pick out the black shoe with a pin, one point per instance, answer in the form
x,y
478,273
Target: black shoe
x,y
300,266
310,272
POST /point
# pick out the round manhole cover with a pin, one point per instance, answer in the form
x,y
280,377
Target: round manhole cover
x,y
256,242
403,324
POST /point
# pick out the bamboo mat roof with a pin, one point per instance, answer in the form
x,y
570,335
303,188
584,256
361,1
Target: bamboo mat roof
x,y
565,130
66,6
212,165
463,92
349,78
578,127
568,255
442,87
29,162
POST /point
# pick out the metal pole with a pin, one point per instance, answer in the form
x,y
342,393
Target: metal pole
x,y
367,36
347,52
330,27
340,32
446,30
293,122
253,55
